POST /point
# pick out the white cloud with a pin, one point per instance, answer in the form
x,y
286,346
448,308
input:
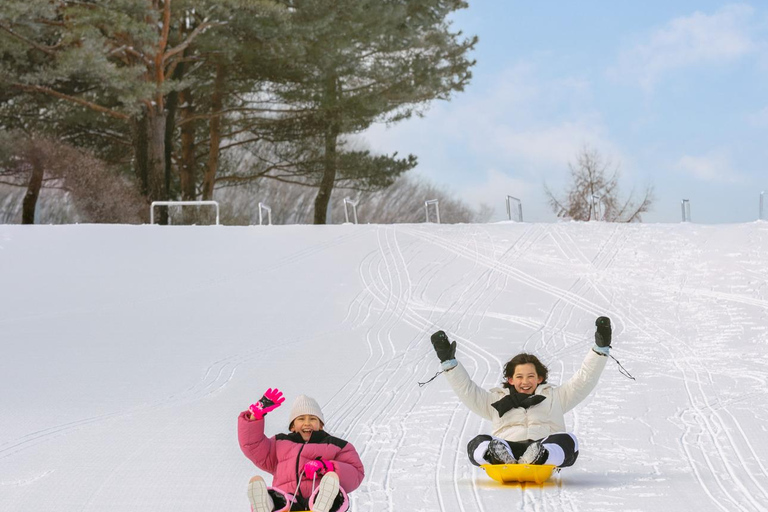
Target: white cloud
x,y
693,40
550,146
512,136
713,167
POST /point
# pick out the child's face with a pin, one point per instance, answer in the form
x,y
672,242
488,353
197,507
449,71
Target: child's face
x,y
525,379
305,425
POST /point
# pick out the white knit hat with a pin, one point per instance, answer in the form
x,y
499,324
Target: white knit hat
x,y
305,405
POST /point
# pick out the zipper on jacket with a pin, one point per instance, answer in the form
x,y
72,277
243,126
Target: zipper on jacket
x,y
298,480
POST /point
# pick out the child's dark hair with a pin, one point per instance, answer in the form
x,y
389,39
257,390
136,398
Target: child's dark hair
x,y
509,368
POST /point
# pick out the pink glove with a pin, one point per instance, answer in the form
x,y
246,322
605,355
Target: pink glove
x,y
314,467
271,400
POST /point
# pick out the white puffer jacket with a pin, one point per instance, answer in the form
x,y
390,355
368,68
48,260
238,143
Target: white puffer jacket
x,y
538,421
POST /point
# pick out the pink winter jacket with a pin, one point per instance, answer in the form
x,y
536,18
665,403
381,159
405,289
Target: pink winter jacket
x,y
284,455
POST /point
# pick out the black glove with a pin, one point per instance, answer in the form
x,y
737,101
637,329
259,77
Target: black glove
x,y
603,332
443,346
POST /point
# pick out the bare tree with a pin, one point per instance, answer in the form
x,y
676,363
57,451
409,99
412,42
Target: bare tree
x,y
74,178
594,185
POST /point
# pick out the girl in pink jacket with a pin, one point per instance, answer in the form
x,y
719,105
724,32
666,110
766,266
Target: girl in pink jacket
x,y
312,470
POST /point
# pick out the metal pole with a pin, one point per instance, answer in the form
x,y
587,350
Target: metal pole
x,y
263,207
437,208
519,207
685,205
596,207
353,204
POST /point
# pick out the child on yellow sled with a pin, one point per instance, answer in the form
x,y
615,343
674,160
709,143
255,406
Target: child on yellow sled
x,y
527,413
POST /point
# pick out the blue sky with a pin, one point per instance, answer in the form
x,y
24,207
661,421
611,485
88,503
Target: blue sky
x,y
675,93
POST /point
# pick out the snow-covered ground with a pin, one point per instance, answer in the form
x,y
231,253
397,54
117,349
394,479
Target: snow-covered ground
x,y
127,352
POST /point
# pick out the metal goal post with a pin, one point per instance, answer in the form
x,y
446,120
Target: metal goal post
x,y
437,209
598,212
353,204
181,203
685,206
265,208
514,205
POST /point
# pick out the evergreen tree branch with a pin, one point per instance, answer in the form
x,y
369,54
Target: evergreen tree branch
x,y
72,99
191,37
45,49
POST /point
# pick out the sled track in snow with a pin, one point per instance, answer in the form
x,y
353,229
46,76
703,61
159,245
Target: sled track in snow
x,y
386,287
471,354
702,419
387,290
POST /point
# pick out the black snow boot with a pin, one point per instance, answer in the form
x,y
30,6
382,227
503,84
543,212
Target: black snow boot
x,y
535,454
500,452
477,449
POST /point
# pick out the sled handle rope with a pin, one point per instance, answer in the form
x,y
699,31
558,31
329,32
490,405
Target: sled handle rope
x,y
622,370
422,384
296,492
314,477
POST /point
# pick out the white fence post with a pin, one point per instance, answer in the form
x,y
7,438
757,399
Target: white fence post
x,y
181,203
353,204
519,208
762,196
263,207
686,208
597,208
437,208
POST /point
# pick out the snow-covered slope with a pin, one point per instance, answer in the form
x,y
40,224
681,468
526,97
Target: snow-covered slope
x,y
127,353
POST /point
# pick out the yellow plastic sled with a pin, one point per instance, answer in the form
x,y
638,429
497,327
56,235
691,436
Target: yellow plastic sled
x,y
514,473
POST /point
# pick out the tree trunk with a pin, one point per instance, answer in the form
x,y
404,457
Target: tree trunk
x,y
156,155
170,128
33,191
149,154
215,126
330,136
187,163
329,174
140,153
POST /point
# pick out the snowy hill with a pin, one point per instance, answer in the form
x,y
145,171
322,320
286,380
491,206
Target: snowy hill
x,y
128,352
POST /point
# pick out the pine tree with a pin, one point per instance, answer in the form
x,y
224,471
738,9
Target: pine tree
x,y
109,66
355,62
166,87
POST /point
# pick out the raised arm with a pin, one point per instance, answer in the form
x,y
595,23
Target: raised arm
x,y
578,387
259,448
473,396
250,431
